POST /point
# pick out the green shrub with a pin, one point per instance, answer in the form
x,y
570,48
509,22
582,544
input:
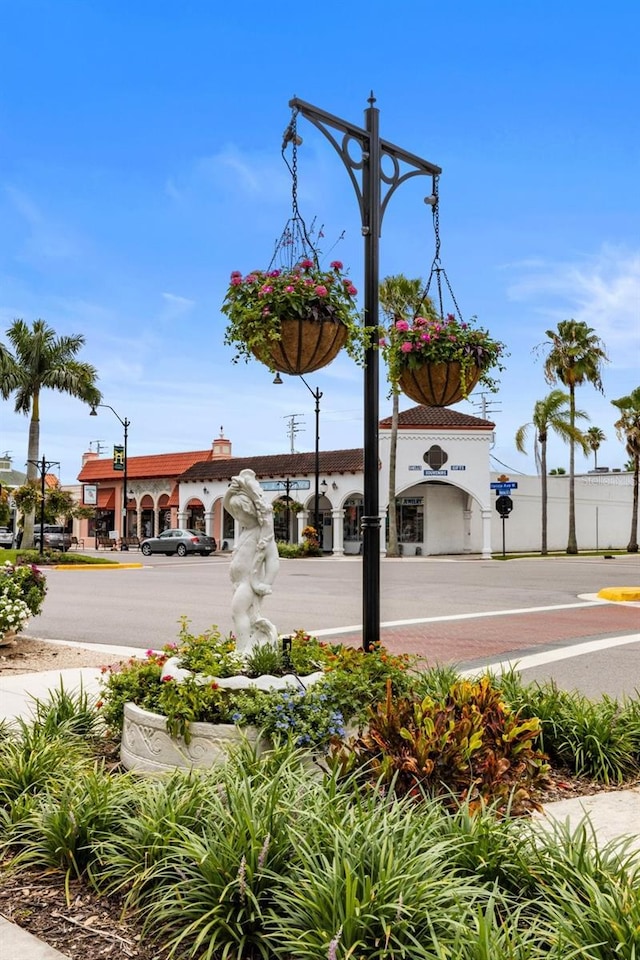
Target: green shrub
x,y
468,746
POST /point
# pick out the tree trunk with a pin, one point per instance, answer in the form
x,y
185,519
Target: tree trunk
x,y
543,492
392,519
572,543
32,468
633,540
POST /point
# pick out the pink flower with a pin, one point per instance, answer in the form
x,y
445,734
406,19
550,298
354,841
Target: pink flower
x,y
235,273
236,281
401,325
406,347
275,273
306,264
148,653
382,342
251,278
426,337
336,265
167,679
266,312
419,322
309,283
265,290
289,289
321,291
352,290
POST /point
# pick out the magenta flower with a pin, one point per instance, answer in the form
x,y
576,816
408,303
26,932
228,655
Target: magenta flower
x,y
236,281
401,325
419,322
250,278
321,291
336,265
265,290
406,347
426,337
306,264
235,273
167,679
382,342
289,289
275,273
352,290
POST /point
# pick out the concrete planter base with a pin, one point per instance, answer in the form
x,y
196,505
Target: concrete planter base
x,y
147,747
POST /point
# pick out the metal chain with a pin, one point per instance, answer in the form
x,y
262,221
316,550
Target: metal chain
x,y
436,266
295,238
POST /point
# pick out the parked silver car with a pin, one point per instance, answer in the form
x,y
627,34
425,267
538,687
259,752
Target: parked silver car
x,y
6,538
180,541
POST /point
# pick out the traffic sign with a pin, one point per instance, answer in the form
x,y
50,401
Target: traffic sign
x,y
504,506
504,486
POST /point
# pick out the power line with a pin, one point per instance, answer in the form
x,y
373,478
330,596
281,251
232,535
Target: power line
x,y
293,427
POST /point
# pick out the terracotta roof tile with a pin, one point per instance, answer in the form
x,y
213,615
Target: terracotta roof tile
x,y
156,465
279,465
437,418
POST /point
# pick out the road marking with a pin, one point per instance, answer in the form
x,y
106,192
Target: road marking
x,y
458,616
552,656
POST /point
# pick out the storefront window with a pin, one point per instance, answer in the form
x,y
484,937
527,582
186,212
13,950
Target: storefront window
x,y
227,526
352,518
410,519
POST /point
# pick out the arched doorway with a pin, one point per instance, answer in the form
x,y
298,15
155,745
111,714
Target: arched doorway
x,y
195,515
147,517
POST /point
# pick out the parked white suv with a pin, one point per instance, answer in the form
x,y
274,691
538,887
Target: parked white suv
x,y
55,537
6,538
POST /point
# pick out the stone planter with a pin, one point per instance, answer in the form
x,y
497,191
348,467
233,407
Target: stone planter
x,y
438,384
304,345
147,747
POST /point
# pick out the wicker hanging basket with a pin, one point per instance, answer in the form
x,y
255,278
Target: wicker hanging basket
x,y
304,345
438,384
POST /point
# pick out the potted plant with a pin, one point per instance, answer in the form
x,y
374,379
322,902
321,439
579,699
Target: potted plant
x,y
167,719
438,361
293,320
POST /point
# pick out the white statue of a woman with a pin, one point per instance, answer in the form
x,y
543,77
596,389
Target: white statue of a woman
x,y
255,560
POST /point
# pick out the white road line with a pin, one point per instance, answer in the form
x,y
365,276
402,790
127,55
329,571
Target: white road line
x,y
459,616
552,656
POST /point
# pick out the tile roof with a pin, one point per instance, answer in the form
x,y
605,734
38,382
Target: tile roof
x,y
279,465
442,418
156,465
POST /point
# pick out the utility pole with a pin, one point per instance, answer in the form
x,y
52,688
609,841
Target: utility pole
x,y
293,427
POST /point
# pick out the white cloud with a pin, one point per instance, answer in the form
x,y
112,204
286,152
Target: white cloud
x,y
45,240
603,290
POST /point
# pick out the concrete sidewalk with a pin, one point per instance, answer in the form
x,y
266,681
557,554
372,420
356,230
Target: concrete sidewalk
x,y
612,815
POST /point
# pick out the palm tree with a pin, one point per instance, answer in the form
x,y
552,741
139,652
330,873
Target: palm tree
x,y
628,428
42,360
576,354
549,414
595,438
400,299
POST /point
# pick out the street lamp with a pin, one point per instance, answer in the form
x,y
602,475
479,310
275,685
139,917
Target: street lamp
x,y
116,465
368,179
316,394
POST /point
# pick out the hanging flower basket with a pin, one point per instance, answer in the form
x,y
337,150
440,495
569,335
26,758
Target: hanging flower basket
x,y
295,320
438,384
304,345
438,361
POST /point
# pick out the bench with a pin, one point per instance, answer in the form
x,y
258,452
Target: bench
x,y
107,543
75,542
127,543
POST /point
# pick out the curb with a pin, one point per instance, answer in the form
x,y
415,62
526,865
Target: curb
x,y
620,594
98,566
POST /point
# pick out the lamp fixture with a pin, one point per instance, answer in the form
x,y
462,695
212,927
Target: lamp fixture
x,y
278,379
205,490
323,485
334,485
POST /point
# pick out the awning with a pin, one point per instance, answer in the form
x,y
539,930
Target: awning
x,y
107,499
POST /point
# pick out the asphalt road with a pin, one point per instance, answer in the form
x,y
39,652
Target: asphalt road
x,y
480,610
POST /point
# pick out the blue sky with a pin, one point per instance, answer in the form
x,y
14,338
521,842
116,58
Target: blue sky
x,y
140,163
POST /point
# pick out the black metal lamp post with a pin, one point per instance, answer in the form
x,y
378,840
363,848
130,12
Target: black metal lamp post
x,y
42,466
316,394
126,424
372,205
